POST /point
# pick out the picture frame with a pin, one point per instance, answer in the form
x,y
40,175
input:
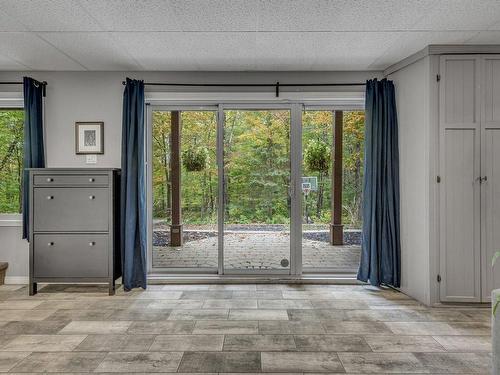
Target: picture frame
x,y
89,137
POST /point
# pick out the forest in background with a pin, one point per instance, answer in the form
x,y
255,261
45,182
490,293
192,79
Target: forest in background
x,y
11,159
257,166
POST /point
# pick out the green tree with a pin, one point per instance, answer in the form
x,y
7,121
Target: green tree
x,y
11,160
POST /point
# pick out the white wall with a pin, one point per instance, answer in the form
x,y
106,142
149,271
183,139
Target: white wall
x,y
97,96
413,106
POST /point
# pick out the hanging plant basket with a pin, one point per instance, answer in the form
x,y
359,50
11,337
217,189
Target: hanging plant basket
x,y
317,156
195,159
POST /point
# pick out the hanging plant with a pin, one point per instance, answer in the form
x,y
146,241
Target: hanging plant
x,y
195,159
317,156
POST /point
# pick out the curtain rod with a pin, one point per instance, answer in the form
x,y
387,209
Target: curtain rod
x,y
276,85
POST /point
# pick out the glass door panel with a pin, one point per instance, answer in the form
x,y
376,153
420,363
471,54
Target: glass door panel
x,y
331,227
184,182
257,201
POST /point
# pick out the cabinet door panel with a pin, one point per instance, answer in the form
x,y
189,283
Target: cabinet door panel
x,y
70,209
70,255
490,168
460,252
459,193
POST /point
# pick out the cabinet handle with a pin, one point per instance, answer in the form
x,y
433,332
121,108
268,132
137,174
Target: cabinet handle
x,y
91,179
92,243
50,244
50,179
49,197
91,197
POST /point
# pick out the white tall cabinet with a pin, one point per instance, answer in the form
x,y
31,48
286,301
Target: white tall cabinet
x,y
468,176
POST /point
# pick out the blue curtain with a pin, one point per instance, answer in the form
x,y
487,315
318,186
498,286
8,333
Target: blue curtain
x,y
381,252
34,156
133,188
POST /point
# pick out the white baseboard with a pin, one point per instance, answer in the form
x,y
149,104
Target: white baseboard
x,y
16,280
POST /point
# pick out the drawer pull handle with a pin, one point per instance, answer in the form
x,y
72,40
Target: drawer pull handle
x,y
50,179
50,244
49,197
91,243
91,179
91,197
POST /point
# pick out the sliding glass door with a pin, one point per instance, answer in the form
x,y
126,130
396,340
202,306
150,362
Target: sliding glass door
x,y
257,201
254,189
184,190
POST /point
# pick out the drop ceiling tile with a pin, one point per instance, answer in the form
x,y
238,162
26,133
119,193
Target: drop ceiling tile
x,y
340,15
51,15
9,64
173,15
410,42
35,53
190,51
446,15
8,23
95,51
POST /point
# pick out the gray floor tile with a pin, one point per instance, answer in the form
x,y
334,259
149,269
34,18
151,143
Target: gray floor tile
x,y
199,343
421,328
358,328
220,362
123,362
300,361
20,305
470,328
44,343
116,343
96,327
60,362
257,314
199,314
10,359
284,304
24,315
80,314
140,314
465,343
290,327
395,343
161,327
202,295
339,304
371,363
455,362
393,315
176,304
331,343
226,327
259,343
230,304
32,327
259,294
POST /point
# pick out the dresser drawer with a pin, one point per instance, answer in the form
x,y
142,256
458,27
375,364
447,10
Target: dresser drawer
x,y
70,209
70,179
70,255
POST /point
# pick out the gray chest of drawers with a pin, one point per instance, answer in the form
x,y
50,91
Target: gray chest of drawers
x,y
74,226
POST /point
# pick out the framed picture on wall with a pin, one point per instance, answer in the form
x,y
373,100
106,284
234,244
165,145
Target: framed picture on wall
x,y
89,137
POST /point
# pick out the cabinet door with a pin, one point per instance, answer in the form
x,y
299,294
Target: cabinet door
x,y
460,258
490,167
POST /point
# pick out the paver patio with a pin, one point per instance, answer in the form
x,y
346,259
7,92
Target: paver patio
x,y
254,250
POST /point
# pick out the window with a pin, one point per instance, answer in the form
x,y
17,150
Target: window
x,y
11,159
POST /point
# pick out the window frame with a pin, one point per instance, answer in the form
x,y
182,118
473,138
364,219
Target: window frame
x,y
11,101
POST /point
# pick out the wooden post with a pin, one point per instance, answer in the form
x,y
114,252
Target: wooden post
x,y
336,227
175,165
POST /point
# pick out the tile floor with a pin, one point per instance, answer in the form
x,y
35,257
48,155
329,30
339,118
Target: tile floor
x,y
238,329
